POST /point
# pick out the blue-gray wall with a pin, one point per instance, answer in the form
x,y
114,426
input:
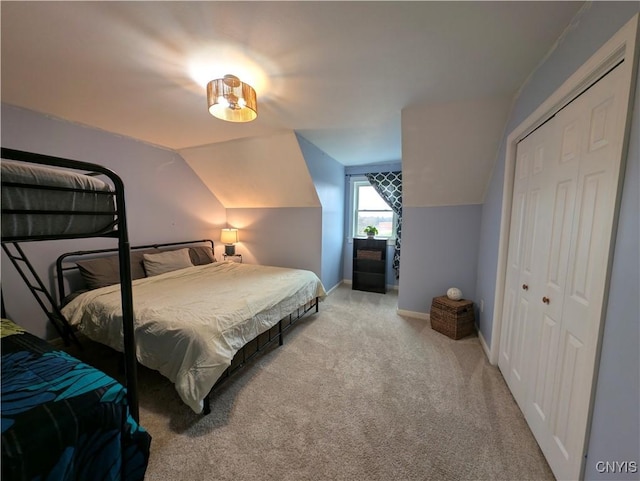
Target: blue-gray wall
x,y
328,177
615,433
443,253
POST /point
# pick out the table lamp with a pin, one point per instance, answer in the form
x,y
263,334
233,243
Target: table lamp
x,y
229,237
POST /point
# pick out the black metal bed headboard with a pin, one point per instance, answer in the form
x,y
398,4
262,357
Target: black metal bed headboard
x,y
64,264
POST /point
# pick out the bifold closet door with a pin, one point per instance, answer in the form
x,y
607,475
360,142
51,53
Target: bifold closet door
x,y
528,251
575,278
561,231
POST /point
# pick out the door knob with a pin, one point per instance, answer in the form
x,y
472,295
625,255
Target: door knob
x,y
525,287
545,300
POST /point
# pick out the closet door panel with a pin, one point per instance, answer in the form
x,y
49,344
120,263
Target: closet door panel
x,y
585,263
560,191
528,250
598,137
561,217
514,309
564,429
549,322
593,224
542,395
506,350
532,252
521,324
557,192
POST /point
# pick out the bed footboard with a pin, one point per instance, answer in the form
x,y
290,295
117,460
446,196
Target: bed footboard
x,y
259,344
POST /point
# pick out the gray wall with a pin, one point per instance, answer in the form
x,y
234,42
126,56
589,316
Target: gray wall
x,y
328,178
615,434
165,200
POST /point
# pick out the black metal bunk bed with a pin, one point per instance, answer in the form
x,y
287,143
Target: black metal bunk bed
x,y
36,210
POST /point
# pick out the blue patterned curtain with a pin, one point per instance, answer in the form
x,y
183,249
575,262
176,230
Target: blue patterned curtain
x,y
389,186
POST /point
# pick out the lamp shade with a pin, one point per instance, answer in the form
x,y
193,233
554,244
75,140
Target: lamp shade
x,y
229,236
232,100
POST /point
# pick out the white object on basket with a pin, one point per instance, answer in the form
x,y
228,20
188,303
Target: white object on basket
x,y
454,294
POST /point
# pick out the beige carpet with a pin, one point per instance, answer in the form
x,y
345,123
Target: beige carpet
x,y
356,393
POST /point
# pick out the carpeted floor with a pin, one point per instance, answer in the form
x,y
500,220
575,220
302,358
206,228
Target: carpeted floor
x,y
356,393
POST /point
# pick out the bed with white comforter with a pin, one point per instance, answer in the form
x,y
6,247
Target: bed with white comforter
x,y
189,323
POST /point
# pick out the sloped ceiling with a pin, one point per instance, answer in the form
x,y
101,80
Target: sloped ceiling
x,y
266,171
365,82
338,73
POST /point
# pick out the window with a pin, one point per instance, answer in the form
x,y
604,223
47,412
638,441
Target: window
x,y
370,209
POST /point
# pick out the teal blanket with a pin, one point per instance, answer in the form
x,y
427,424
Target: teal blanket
x,y
63,419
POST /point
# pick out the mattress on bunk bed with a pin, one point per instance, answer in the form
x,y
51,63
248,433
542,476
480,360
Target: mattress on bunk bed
x,y
97,209
189,323
63,419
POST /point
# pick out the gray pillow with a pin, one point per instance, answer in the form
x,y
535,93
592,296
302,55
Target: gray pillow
x,y
201,255
105,271
156,264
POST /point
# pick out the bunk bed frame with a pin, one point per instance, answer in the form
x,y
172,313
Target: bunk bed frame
x,y
116,229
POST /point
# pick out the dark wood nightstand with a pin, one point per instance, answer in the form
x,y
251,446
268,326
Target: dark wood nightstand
x,y
370,265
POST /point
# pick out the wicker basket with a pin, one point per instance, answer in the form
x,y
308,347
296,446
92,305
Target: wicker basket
x,y
454,319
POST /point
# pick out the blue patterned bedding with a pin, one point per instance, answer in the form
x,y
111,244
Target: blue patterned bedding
x,y
63,419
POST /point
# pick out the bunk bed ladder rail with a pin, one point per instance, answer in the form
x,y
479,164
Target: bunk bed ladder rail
x,y
38,290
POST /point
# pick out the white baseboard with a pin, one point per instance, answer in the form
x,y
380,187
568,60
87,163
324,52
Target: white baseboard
x,y
485,347
335,287
416,315
347,282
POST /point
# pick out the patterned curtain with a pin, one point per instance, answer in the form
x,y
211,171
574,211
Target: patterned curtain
x,y
389,186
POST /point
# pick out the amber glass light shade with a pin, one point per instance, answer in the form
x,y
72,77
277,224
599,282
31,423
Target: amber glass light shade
x,y
232,100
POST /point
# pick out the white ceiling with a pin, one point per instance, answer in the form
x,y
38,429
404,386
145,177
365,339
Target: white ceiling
x,y
338,73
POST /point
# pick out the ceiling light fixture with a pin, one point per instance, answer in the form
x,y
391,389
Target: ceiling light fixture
x,y
232,100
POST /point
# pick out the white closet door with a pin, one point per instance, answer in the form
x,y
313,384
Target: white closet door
x,y
575,284
560,195
567,175
526,257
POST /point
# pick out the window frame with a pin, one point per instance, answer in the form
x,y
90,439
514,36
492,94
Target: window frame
x,y
355,183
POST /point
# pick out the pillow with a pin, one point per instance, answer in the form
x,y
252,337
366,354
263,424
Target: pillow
x,y
105,271
201,255
168,261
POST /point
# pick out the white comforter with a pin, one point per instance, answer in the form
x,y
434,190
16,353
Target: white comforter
x,y
190,323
